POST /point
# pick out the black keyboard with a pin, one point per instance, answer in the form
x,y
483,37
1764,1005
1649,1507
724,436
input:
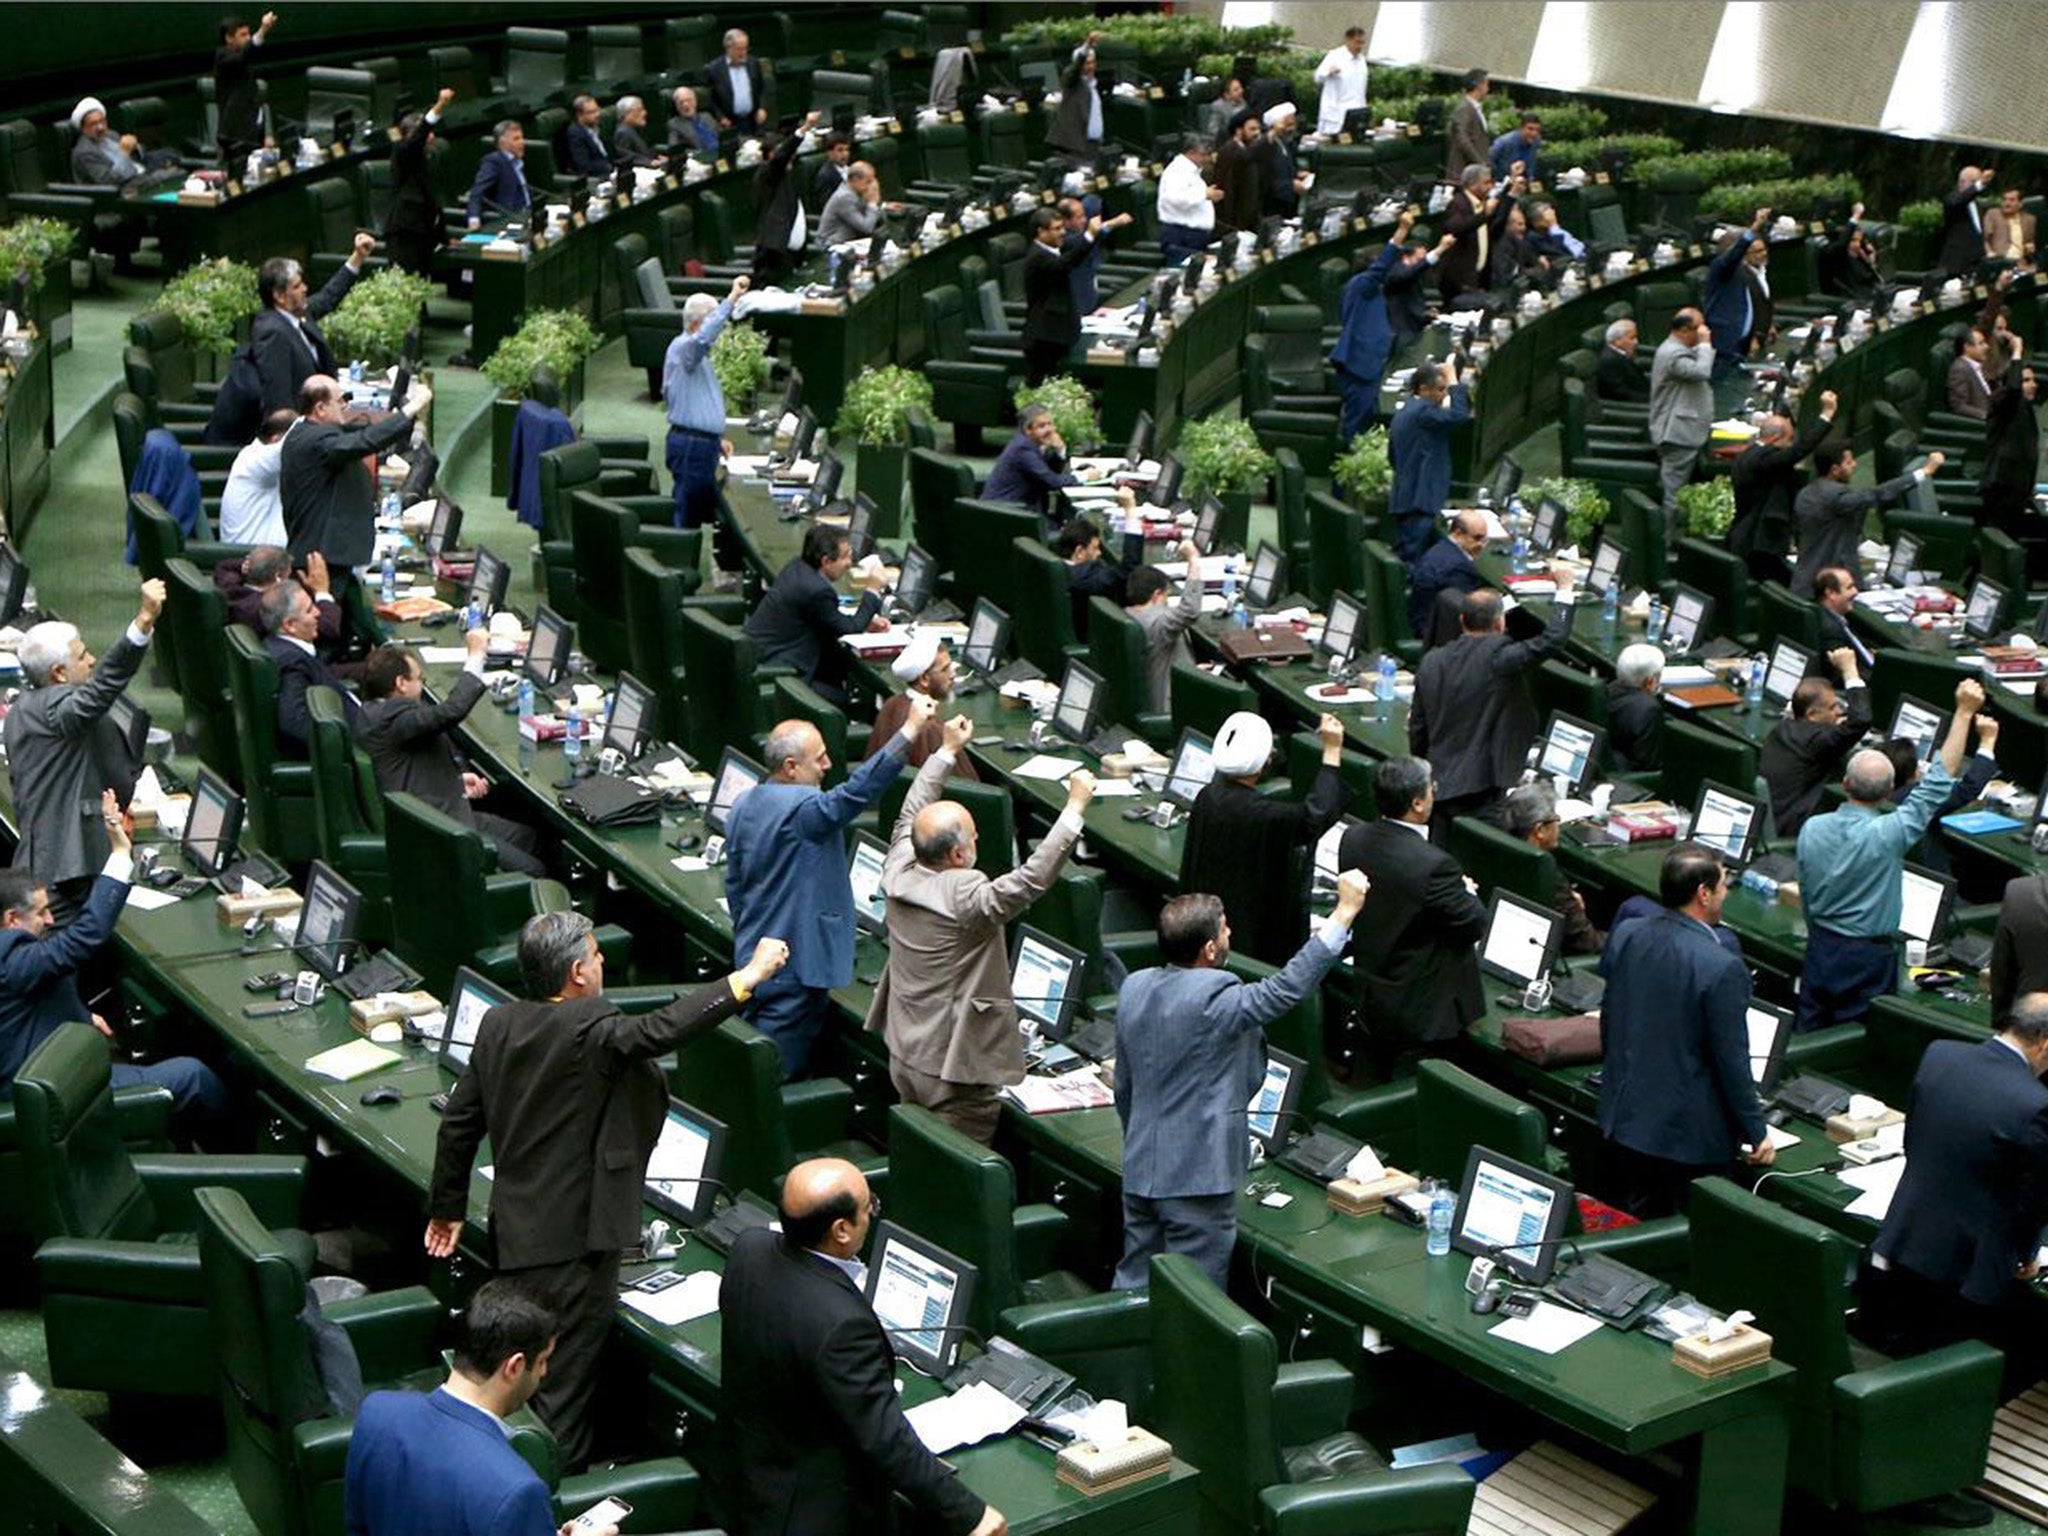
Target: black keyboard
x,y
1814,1097
1092,1037
1320,1155
1608,1289
724,1229
1029,1382
379,973
1577,994
1970,951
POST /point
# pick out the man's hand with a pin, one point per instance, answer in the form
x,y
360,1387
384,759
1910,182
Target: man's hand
x,y
1352,887
1190,556
442,1237
1080,789
991,1523
117,825
152,604
1856,214
478,641
1987,733
1969,696
879,624
441,101
475,786
417,398
1443,246
1762,1156
103,1026
958,732
1562,577
570,1528
269,21
1762,221
740,285
129,143
1517,170
1215,194
1828,401
317,579
770,956
1844,659
923,710
366,243
1330,732
1934,461
1403,224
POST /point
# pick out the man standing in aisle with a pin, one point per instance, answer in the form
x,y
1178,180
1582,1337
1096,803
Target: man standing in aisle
x,y
1681,405
1419,443
238,104
1342,75
1187,204
696,419
323,479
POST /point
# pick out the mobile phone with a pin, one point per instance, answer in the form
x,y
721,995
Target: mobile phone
x,y
659,1281
400,386
269,1010
269,981
601,1516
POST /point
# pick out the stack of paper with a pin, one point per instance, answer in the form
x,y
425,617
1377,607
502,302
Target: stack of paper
x,y
345,1063
1081,1089
967,1417
685,1302
1878,1183
1547,1329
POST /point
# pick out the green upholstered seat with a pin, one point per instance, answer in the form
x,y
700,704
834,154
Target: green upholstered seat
x,y
1336,540
348,810
1117,652
1782,614
193,637
601,530
1202,701
1693,755
1499,860
1723,577
937,481
279,794
731,698
1042,604
981,533
1455,1112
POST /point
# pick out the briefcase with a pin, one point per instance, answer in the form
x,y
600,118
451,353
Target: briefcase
x,y
1270,644
1568,1042
604,801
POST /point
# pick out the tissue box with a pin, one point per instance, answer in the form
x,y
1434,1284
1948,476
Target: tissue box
x,y
1354,1197
1717,1357
239,908
1098,1468
367,1013
1843,1129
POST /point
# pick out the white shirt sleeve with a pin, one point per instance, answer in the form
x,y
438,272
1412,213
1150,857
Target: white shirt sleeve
x,y
1184,196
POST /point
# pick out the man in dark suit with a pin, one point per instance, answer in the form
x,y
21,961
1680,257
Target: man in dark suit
x,y
1079,543
1829,517
290,627
425,1463
798,622
1419,443
832,170
285,347
242,584
416,227
63,752
1969,390
407,739
1472,715
569,1091
1078,127
814,1439
500,185
2012,450
1835,589
1468,141
738,86
1618,376
238,102
329,498
1678,1101
1447,566
2019,944
1962,225
582,145
1806,750
777,209
1251,849
1418,973
1408,302
1032,465
1237,173
1367,325
1766,480
1635,718
1737,313
629,138
1051,326
1082,236
1474,219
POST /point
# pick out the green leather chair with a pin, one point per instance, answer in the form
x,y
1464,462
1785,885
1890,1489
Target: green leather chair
x,y
1386,604
1427,1123
1042,604
937,481
951,1190
689,43
601,530
193,637
1641,526
981,533
1693,754
1336,541
279,795
158,539
1499,860
618,56
536,61
1723,577
795,699
142,1119
2000,557
1117,650
124,1304
1304,751
1202,701
1868,1433
992,806
654,638
181,394
971,394
133,418
1895,674
581,468
1556,686
1946,543
348,810
649,313
730,693
734,1074
1782,614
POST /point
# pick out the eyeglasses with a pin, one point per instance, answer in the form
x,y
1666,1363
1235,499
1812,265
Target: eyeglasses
x,y
874,1205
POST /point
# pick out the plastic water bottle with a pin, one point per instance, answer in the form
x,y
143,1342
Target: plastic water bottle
x,y
1756,683
1441,1205
1765,887
572,733
1654,630
1610,604
832,269
355,371
1230,586
388,577
525,696
1383,687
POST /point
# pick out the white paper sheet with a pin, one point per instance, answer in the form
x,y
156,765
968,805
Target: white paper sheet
x,y
443,655
1115,789
694,1297
968,1416
689,864
1547,1329
1878,1183
143,899
1045,766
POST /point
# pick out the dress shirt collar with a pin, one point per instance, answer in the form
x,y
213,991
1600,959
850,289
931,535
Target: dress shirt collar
x,y
502,1427
1419,828
853,1269
295,640
2014,1049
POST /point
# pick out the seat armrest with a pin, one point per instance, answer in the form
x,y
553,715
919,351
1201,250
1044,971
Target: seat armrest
x,y
620,445
1417,1501
393,1331
143,1113
363,852
1036,1232
728,606
71,209
320,1452
293,780
816,1110
1838,1048
512,899
1914,1428
665,1493
271,1184
1112,1320
1311,1398
615,480
127,1271
641,999
677,548
1383,1116
1661,1246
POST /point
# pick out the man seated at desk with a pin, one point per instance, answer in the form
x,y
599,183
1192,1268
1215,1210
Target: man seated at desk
x,y
1531,814
1079,543
581,146
1807,748
798,622
1635,719
1835,589
244,583
500,185
856,210
1448,565
1618,376
1032,465
924,667
1931,852
291,625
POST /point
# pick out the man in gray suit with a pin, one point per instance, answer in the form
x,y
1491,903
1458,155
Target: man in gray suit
x,y
1829,516
1165,623
330,503
856,210
1190,1056
63,752
944,1002
1681,404
1469,140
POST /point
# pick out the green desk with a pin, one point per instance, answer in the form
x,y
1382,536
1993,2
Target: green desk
x,y
28,436
259,222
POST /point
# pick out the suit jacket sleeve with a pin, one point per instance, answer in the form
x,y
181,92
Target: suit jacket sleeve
x,y
1728,1051
1327,797
273,351
823,814
821,612
526,1510
2004,957
462,1131
924,789
74,711
332,292
1517,654
1418,721
294,720
355,442
638,1036
419,719
859,1387
1459,914
1000,899
33,962
1254,1005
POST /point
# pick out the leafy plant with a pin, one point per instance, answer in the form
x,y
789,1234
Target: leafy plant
x,y
1586,153
371,322
739,358
879,404
1799,196
1585,508
1706,508
558,339
1716,167
211,300
1179,39
1364,469
1222,454
1922,218
30,245
1072,407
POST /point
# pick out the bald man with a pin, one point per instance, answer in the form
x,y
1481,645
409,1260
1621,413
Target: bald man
x,y
814,1439
944,1004
1448,565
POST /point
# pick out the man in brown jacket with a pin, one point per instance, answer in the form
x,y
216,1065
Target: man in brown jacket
x,y
924,666
944,1004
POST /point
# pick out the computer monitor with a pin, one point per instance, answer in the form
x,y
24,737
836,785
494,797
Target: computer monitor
x,y
1506,480
213,825
470,997
630,725
444,529
1770,1030
1726,822
1984,609
1547,524
1339,639
1925,902
805,433
1571,749
1045,981
1139,448
1192,769
1076,714
920,1293
737,773
1919,722
825,483
682,1173
1269,570
1787,669
915,578
13,584
1270,1114
1167,486
988,637
860,526
1923,497
547,648
864,870
328,922
1208,518
488,581
131,723
1902,560
1522,939
1510,1213
1691,612
1605,570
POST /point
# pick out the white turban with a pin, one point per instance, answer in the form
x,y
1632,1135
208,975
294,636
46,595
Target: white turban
x,y
1279,113
89,105
916,658
1243,745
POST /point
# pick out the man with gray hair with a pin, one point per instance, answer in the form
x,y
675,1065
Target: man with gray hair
x,y
284,349
629,138
696,415
1849,866
1032,465
1475,218
572,1095
63,753
1618,376
1807,748
1531,814
856,210
944,1003
1635,720
738,87
689,129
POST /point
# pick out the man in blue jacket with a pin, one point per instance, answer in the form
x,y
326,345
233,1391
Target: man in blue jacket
x,y
785,873
1190,1056
1367,335
1737,297
500,185
1419,442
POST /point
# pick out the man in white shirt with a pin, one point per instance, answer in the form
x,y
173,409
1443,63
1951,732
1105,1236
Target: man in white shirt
x,y
251,506
1342,77
1187,204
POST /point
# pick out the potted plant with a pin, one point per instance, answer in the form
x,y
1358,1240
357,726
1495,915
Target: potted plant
x,y
553,340
369,326
1072,407
212,300
41,248
739,358
1585,508
875,413
1365,472
1221,456
1706,509
1916,235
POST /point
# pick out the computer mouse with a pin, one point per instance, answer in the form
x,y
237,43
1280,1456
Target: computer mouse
x,y
384,1095
1777,1117
1486,1302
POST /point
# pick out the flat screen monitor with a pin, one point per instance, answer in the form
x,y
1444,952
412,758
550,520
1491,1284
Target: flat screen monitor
x,y
1547,525
1329,847
860,527
1208,519
1192,769
328,922
1571,750
630,725
864,870
470,997
1902,561
920,1293
13,584
1507,479
806,432
1925,902
1923,497
1918,722
1139,448
915,579
1605,571
213,826
988,637
1167,486
825,483
1075,715
737,773
1691,612
444,529
547,648
1522,939
1785,672
131,723
1726,822
1339,639
1770,1030
487,583
1510,1213
1269,569
1984,609
1045,981
1270,1114
683,1172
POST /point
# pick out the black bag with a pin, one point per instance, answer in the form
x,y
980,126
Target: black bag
x,y
604,801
